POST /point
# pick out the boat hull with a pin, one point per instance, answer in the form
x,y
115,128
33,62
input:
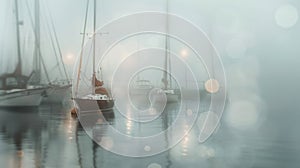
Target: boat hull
x,y
57,94
90,106
89,111
24,98
172,98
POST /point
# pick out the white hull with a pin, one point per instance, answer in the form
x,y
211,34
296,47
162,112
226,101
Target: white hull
x,y
23,98
57,94
172,98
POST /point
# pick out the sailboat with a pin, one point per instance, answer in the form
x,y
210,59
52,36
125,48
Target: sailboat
x,y
57,89
140,88
15,89
99,98
168,89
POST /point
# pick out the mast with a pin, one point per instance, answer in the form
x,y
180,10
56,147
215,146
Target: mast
x,y
18,69
94,49
37,53
167,43
82,45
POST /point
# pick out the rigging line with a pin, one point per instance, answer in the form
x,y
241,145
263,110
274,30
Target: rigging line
x,y
54,67
88,58
4,28
52,44
35,35
57,43
82,45
45,69
87,79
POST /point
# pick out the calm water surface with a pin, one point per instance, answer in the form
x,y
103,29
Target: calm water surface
x,y
48,136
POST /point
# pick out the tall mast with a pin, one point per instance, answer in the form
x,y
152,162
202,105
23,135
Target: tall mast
x,y
82,46
19,65
94,48
167,43
37,53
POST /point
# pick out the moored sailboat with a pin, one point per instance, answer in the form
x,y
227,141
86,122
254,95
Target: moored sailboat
x,y
15,89
168,89
98,99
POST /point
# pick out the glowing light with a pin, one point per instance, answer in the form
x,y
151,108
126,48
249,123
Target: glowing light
x,y
154,165
128,123
185,143
107,142
184,53
189,112
147,148
69,59
128,126
212,86
286,16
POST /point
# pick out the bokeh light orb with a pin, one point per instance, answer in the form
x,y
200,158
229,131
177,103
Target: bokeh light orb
x,y
212,86
154,165
69,59
286,16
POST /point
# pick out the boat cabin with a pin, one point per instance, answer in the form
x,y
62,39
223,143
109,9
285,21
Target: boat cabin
x,y
143,84
12,81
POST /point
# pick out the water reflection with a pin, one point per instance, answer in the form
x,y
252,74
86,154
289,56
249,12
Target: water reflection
x,y
49,137
20,128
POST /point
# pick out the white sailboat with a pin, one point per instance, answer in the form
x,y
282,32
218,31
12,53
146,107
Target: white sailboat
x,y
98,99
168,89
140,89
15,89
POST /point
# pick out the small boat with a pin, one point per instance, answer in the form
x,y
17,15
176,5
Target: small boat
x,y
98,100
140,90
168,89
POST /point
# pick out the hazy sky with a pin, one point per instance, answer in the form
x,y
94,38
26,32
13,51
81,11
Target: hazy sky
x,y
237,28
